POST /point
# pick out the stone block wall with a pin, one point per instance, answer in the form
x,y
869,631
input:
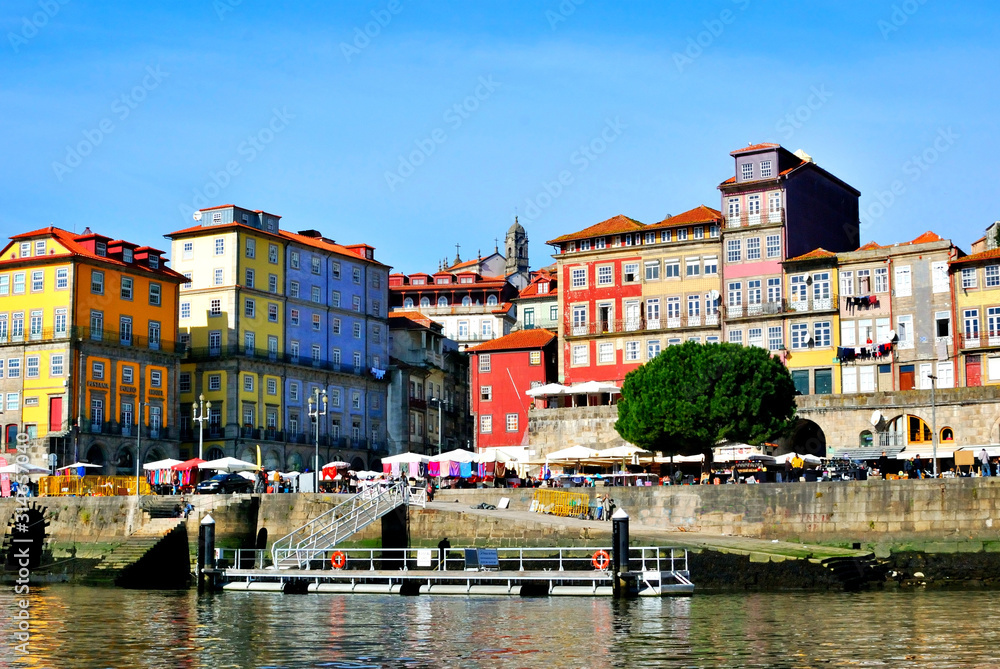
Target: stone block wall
x,y
554,429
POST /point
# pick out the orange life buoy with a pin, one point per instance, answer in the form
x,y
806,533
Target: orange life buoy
x,y
338,560
601,560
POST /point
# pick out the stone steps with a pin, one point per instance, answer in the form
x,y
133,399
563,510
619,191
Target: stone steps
x,y
133,549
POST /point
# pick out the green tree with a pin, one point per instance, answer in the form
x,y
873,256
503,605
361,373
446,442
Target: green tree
x,y
691,396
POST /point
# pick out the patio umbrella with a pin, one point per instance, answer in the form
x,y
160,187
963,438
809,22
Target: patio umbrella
x,y
405,457
229,465
457,455
78,465
187,464
337,464
23,469
161,464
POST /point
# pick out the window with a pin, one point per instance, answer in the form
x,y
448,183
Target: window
x,y
578,277
650,237
357,330
693,266
735,294
40,247
315,322
881,280
248,383
101,248
293,289
968,278
774,290
992,276
249,342
315,265
272,283
356,303
154,294
154,335
187,251
272,253
125,330
357,360
736,337
249,308
747,171
315,294
600,243
293,259
753,248
96,371
485,424
765,169
4,284
335,271
37,281
682,234
249,277
733,251
993,321
713,231
487,328
19,283
672,268
904,330
535,358
335,398
652,348
584,244
774,246
903,288
96,283
251,248
293,391
217,276
60,322
665,236
14,401
272,313
800,335
970,318
486,393
694,306
630,272
699,232
631,350
336,326
864,281
775,340
605,275
753,208
355,400
553,313
185,310
711,265
214,381
821,334
35,325
31,364
529,318
184,382
581,354
335,299
484,362
272,346
512,422
356,276
25,250
753,291
847,331
942,324
220,246
441,301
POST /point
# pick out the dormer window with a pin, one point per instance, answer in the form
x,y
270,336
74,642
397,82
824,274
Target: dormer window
x,y
765,168
126,255
217,217
442,280
417,282
465,279
154,261
543,287
747,171
102,249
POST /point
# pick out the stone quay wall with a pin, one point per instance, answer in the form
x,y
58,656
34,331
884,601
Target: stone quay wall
x,y
553,429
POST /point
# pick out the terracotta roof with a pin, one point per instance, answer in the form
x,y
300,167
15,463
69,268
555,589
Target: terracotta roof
x,y
732,180
412,316
870,246
813,255
983,255
612,226
69,240
755,147
503,308
926,238
536,338
467,263
700,214
531,290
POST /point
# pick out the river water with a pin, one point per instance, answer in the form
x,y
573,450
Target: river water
x,y
83,627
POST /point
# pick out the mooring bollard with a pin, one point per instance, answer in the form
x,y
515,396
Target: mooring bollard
x,y
619,550
206,550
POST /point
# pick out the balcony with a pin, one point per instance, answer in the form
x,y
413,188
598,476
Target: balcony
x,y
115,339
44,334
641,325
230,352
829,303
419,404
746,220
979,340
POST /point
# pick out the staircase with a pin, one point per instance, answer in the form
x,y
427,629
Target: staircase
x,y
125,556
309,542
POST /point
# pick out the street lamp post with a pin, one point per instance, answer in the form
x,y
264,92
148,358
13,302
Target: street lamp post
x,y
438,401
934,435
138,449
198,414
315,400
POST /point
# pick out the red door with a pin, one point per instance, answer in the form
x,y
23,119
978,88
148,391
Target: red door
x,y
55,414
906,379
973,371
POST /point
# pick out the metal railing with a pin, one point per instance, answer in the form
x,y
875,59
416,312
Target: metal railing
x,y
639,325
234,351
111,337
561,503
773,307
300,547
553,559
97,486
980,339
746,219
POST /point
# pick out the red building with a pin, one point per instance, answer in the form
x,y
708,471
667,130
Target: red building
x,y
600,298
503,370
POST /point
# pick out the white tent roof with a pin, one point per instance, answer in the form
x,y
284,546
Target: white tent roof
x,y
926,452
405,458
808,459
229,465
992,450
549,389
161,464
677,459
572,453
23,469
592,387
78,464
503,454
624,451
457,455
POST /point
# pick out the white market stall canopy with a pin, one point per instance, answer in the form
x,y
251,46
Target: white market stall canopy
x,y
405,458
23,469
788,457
926,452
76,465
229,465
731,452
572,453
678,459
624,451
592,388
457,455
161,464
548,390
504,454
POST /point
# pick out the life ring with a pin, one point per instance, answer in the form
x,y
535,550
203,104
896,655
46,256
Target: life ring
x,y
601,560
338,560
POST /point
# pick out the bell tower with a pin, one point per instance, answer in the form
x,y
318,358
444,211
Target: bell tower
x,y
516,247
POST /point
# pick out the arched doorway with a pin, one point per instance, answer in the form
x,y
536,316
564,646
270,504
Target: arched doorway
x,y
808,438
95,455
153,455
357,464
125,460
272,460
295,462
214,453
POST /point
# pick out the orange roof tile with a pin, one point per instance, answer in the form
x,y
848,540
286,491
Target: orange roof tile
x,y
982,255
700,214
413,316
813,255
531,290
755,147
870,246
612,226
536,338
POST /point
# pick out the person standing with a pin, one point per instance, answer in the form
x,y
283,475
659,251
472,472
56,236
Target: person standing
x,y
443,547
599,509
984,461
797,464
883,465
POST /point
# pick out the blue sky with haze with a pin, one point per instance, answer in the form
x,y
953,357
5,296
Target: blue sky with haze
x,y
291,108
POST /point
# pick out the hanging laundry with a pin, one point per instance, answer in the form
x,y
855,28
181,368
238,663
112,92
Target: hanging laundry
x,y
395,469
433,468
501,470
490,468
454,469
414,470
465,470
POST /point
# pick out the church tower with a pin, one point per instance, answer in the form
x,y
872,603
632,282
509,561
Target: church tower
x,y
517,255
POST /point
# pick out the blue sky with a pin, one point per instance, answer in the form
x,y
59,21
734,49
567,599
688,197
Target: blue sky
x,y
292,108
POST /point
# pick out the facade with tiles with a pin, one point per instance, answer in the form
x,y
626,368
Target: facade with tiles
x,y
538,303
88,347
271,317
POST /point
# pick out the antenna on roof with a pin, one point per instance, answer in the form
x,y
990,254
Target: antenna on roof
x,y
196,215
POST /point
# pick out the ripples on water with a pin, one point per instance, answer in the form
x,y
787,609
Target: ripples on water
x,y
94,627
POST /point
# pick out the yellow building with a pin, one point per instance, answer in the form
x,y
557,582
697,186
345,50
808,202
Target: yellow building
x,y
88,340
812,322
975,282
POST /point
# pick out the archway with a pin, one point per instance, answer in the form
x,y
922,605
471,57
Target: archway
x,y
808,438
95,455
152,455
125,460
357,464
214,453
272,460
295,462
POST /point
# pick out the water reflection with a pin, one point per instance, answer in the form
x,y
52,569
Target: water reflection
x,y
86,627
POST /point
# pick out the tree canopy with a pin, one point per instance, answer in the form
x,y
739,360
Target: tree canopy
x,y
690,396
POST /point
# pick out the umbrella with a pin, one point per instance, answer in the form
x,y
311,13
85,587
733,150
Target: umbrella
x,y
77,465
187,464
457,455
337,464
573,453
405,457
161,464
228,465
591,388
548,390
23,469
618,452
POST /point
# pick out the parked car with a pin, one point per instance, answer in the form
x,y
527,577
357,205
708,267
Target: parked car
x,y
225,483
